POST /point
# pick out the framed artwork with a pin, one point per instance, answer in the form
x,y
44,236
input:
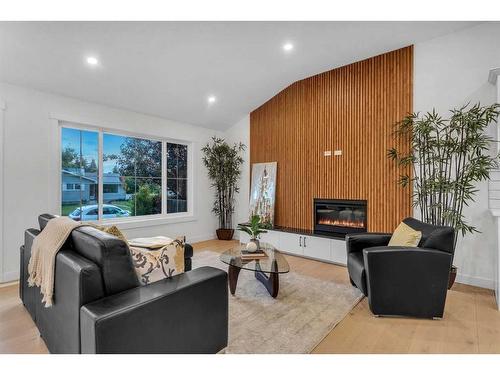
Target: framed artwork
x,y
263,192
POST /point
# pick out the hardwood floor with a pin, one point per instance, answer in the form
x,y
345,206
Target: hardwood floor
x,y
471,323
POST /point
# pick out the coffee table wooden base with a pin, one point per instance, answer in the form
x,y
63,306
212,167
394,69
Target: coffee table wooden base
x,y
271,281
233,273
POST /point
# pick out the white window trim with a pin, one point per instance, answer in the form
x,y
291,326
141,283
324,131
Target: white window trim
x,y
55,177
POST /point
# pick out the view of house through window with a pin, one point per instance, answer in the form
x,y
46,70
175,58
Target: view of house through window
x,y
132,181
79,173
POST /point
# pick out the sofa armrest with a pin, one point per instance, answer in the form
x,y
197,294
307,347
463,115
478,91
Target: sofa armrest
x,y
407,280
187,313
77,282
356,242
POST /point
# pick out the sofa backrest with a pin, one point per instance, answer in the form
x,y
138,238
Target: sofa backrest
x,y
433,236
111,255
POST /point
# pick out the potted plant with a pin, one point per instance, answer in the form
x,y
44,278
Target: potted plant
x,y
254,229
223,163
445,159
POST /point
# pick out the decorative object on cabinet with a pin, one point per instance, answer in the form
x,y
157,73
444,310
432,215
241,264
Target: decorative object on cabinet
x,y
254,229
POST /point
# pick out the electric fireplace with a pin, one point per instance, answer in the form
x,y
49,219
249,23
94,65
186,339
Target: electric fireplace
x,y
338,217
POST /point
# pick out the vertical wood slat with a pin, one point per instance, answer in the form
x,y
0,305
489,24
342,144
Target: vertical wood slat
x,y
353,109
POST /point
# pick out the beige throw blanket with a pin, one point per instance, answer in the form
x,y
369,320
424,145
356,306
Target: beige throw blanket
x,y
45,247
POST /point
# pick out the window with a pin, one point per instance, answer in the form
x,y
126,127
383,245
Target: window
x,y
74,187
79,171
132,180
134,163
176,177
107,188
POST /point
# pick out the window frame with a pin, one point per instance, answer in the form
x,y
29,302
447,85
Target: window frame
x,y
142,220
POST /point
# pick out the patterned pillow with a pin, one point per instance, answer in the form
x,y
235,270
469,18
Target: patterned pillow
x,y
113,230
154,265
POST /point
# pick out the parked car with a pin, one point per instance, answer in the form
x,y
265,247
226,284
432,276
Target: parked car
x,y
86,213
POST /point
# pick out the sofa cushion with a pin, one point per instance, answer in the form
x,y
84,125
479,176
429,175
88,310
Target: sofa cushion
x,y
156,264
404,235
111,254
433,236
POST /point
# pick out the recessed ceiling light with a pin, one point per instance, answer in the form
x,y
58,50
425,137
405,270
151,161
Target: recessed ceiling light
x,y
287,47
211,99
91,60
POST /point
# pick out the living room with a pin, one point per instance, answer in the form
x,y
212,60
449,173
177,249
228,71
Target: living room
x,y
249,186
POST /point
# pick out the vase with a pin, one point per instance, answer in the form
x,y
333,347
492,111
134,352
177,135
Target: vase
x,y
253,245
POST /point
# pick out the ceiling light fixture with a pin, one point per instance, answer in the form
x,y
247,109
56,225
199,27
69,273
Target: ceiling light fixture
x,y
211,99
287,47
92,60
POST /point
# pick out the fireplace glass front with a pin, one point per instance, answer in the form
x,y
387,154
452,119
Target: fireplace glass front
x,y
339,217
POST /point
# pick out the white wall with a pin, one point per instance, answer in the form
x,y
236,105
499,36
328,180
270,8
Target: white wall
x,y
449,72
240,132
28,150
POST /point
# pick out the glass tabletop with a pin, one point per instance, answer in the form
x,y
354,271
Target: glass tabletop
x,y
275,262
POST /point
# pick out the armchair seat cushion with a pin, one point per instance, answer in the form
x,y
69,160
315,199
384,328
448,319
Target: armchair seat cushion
x,y
356,266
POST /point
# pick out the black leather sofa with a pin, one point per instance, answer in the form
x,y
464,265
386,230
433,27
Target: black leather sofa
x,y
403,281
100,307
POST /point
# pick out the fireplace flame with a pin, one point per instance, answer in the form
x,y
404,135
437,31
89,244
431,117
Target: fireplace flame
x,y
342,223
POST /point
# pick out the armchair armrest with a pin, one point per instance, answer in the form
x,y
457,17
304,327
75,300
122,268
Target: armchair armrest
x,y
358,241
187,313
407,280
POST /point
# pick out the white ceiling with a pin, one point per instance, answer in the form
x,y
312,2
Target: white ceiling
x,y
168,69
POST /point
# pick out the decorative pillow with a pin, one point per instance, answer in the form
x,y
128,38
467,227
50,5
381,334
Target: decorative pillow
x,y
113,230
405,235
154,265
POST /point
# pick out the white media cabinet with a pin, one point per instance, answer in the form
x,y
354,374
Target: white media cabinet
x,y
312,246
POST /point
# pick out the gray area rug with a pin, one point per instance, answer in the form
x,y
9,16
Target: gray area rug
x,y
304,312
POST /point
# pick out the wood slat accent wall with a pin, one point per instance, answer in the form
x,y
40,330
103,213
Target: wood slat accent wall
x,y
352,108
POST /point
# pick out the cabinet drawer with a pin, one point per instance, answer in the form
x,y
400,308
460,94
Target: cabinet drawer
x,y
289,243
316,247
271,237
339,252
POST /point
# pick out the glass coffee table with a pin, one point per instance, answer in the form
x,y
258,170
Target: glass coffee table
x,y
266,270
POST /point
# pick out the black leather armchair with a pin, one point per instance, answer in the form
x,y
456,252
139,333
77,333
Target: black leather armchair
x,y
99,306
404,281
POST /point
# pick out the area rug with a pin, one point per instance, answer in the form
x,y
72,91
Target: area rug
x,y
304,312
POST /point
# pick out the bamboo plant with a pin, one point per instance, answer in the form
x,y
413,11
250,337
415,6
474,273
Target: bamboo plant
x,y
223,163
448,156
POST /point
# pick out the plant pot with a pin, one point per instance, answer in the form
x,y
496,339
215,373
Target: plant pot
x,y
453,275
225,234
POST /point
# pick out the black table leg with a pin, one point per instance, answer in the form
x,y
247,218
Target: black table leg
x,y
271,282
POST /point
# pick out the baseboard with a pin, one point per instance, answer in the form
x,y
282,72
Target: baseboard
x,y
9,276
201,237
480,282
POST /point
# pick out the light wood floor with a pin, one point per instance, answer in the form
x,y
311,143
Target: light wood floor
x,y
471,323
